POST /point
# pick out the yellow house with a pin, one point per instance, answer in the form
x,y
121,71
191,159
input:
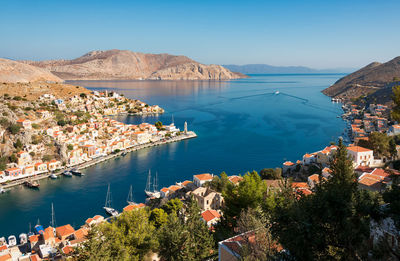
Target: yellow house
x,y
40,166
53,165
29,170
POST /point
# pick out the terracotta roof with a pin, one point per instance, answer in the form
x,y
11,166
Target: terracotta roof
x,y
186,182
235,179
3,247
98,216
132,207
205,176
81,233
65,230
89,220
358,149
35,257
209,215
164,190
12,169
299,185
48,233
174,187
34,238
288,163
5,257
67,250
326,169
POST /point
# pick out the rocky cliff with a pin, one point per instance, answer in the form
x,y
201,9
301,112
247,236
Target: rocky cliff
x,y
13,72
366,81
123,64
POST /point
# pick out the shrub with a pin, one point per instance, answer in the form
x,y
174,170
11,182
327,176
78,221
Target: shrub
x,y
14,128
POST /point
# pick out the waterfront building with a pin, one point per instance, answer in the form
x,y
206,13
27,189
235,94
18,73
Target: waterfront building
x,y
309,158
288,166
207,198
53,165
29,170
361,156
13,172
200,179
64,231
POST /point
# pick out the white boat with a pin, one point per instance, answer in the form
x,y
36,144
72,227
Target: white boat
x,y
108,206
53,176
276,92
152,191
67,173
12,240
23,239
2,190
3,241
130,200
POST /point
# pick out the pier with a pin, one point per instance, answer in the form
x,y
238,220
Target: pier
x,y
183,136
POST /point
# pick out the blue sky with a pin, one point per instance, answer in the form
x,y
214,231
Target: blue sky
x,y
319,34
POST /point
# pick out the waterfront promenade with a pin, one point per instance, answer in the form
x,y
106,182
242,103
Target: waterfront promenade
x,y
188,135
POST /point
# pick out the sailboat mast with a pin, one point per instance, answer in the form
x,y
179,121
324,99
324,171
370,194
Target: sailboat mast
x,y
148,185
107,196
53,216
155,183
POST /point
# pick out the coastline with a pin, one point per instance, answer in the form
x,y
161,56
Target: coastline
x,y
189,135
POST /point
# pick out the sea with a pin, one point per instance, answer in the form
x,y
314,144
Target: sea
x,y
242,125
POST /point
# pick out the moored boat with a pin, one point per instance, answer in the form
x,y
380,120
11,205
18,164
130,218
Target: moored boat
x,y
12,240
32,184
130,200
53,176
76,172
23,239
67,173
108,206
3,241
2,190
152,191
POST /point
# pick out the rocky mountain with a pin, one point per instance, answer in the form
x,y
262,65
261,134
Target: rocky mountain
x,y
123,64
270,69
366,81
13,72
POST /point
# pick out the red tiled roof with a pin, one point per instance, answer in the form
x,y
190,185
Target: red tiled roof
x,y
299,185
65,230
132,207
6,257
358,149
209,215
288,163
205,176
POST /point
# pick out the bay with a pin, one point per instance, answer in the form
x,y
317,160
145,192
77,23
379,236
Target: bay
x,y
242,125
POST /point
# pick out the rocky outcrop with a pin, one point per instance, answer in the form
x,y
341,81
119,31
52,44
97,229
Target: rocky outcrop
x,y
366,81
195,71
13,72
124,65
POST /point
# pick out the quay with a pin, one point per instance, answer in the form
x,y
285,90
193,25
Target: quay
x,y
183,136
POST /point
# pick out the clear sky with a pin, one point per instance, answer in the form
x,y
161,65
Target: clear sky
x,y
319,34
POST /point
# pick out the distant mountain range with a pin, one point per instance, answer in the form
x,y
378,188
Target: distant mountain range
x,y
270,69
374,80
126,65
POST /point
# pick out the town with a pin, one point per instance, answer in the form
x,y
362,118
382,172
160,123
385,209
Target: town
x,y
42,138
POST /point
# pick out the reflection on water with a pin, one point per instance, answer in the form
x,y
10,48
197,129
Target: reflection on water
x,y
241,125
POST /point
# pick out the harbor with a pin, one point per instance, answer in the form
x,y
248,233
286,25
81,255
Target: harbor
x,y
183,136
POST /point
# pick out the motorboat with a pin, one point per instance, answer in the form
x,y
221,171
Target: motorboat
x,y
76,172
3,241
23,239
32,184
53,176
67,173
12,241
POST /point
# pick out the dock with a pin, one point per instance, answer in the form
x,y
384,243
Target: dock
x,y
183,136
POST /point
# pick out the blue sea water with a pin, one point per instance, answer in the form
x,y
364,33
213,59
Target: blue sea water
x,y
242,125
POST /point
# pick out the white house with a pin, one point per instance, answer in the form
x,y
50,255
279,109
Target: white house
x,y
360,156
200,179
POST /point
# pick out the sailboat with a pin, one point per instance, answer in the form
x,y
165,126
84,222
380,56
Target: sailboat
x,y
53,217
129,200
107,206
30,233
151,191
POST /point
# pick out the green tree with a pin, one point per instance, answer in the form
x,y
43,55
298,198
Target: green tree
x,y
70,147
249,193
14,128
271,173
18,144
379,143
186,238
396,100
129,237
158,125
333,222
159,217
219,184
173,206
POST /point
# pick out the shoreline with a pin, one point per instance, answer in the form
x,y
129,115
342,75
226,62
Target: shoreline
x,y
14,183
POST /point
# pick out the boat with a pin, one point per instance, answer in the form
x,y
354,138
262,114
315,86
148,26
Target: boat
x,y
53,176
124,153
276,92
108,206
12,241
30,233
76,172
152,191
67,173
129,200
2,190
23,239
39,228
32,184
53,217
3,241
